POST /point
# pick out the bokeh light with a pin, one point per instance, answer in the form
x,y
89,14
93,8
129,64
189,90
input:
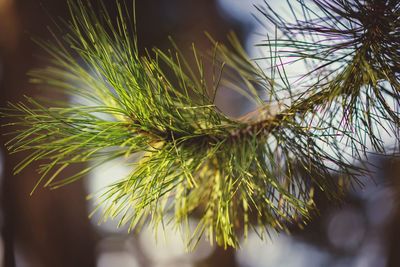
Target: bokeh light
x,y
280,251
346,229
167,245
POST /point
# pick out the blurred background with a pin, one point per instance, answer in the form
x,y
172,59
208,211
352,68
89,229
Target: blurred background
x,y
52,228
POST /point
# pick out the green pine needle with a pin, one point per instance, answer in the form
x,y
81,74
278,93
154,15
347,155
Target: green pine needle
x,y
233,175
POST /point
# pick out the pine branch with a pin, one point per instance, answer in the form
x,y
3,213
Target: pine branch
x,y
257,171
355,51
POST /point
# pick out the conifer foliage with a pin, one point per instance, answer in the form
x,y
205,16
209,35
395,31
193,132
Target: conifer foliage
x,y
157,112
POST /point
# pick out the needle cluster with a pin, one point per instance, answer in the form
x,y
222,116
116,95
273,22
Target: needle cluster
x,y
157,112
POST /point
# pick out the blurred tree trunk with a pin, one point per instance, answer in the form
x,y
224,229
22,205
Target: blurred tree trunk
x,y
392,170
50,228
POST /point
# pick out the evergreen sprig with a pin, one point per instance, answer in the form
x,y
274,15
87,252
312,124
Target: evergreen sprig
x,y
353,48
257,171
